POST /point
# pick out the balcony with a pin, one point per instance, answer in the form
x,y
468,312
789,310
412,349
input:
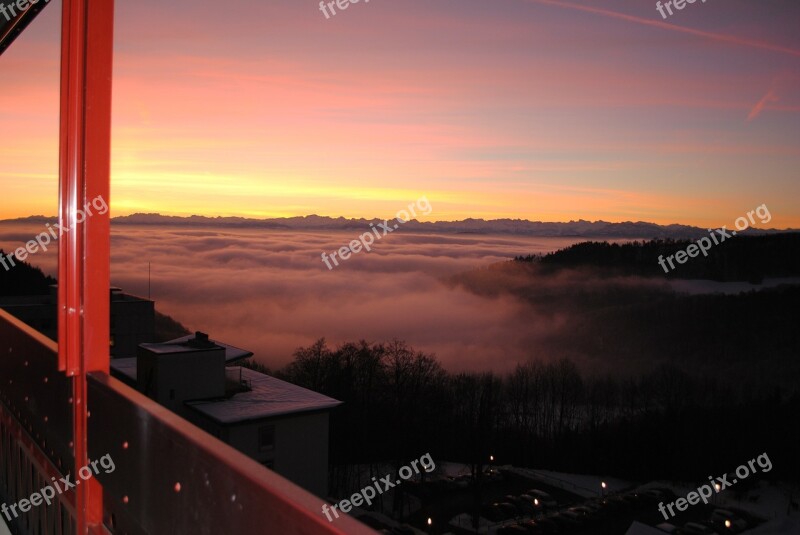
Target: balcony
x,y
168,476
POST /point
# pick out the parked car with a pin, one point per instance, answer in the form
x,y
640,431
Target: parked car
x,y
493,513
634,499
509,509
728,521
545,500
547,526
621,502
582,514
537,504
654,495
576,517
566,523
600,507
522,504
693,528
532,527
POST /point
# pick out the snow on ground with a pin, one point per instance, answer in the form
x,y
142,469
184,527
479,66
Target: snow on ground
x,y
766,501
448,469
485,527
586,486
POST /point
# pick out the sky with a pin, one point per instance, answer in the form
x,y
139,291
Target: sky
x,y
535,109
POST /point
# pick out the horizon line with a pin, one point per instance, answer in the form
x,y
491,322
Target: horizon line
x,y
478,219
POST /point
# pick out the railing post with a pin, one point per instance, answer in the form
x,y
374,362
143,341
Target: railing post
x,y
84,251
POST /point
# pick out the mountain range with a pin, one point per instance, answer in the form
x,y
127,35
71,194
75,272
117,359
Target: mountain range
x,y
579,228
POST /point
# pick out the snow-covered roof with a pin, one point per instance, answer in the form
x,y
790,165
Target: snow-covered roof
x,y
268,398
127,366
232,353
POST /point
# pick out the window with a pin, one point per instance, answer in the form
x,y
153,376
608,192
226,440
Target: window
x,y
266,438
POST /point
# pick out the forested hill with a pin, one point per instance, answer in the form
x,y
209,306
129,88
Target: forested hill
x,y
738,258
591,304
23,278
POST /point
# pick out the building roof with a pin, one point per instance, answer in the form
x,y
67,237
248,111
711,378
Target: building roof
x,y
232,353
127,366
268,398
118,295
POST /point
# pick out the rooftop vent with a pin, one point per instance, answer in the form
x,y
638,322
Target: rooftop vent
x,y
200,340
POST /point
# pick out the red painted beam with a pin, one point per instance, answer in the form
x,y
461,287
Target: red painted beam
x,y
84,251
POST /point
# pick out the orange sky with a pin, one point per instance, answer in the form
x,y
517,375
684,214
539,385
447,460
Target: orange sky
x,y
534,109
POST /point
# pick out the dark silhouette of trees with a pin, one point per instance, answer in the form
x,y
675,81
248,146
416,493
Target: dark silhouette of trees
x,y
23,279
399,404
679,383
738,258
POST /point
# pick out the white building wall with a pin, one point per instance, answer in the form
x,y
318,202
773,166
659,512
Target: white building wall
x,y
301,448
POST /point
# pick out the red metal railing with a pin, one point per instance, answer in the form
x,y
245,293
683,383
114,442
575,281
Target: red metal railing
x,y
35,429
84,252
169,476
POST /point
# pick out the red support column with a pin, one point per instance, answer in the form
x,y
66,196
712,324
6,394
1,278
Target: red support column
x,y
84,251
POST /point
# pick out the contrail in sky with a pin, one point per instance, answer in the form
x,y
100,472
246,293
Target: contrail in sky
x,y
663,25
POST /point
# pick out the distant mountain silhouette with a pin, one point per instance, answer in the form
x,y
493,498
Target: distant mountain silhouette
x,y
522,227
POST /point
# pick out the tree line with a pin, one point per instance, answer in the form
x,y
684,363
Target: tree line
x,y
741,258
666,423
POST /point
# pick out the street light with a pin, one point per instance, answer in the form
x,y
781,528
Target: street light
x,y
727,524
602,487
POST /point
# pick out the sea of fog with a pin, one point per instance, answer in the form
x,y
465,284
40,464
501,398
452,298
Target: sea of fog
x,y
268,291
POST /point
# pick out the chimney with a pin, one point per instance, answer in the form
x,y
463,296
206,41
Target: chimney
x,y
200,340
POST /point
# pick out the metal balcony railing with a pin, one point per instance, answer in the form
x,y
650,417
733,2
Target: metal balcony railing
x,y
169,477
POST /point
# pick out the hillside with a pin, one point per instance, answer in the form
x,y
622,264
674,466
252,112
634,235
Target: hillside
x,y
592,304
741,258
25,279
